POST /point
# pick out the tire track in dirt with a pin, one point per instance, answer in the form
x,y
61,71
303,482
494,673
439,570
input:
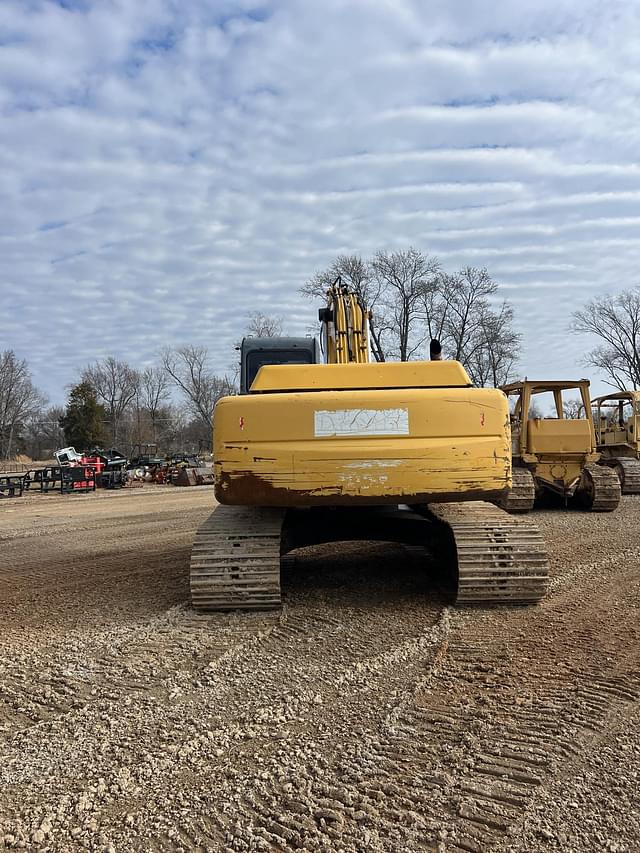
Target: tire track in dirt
x,y
441,772
482,759
365,716
274,663
67,599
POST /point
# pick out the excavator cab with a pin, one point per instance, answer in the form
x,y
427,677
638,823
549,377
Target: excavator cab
x,y
256,352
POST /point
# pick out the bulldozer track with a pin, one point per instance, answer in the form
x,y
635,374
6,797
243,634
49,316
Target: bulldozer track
x,y
235,560
628,471
500,559
522,494
604,492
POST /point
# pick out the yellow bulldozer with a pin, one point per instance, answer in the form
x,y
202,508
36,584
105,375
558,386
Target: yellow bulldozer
x,y
555,454
617,421
311,453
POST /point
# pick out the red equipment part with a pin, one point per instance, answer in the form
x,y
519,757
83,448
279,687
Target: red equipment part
x,y
89,479
94,462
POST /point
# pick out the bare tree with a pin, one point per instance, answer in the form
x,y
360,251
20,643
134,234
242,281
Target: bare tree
x,y
44,434
263,326
116,385
153,388
152,394
172,426
167,432
458,311
404,277
573,408
19,400
188,368
357,275
412,300
464,297
495,348
615,320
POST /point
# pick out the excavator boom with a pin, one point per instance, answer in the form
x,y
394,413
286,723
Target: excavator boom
x,y
345,327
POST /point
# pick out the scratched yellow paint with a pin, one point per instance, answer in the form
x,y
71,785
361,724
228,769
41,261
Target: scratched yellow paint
x,y
390,444
389,374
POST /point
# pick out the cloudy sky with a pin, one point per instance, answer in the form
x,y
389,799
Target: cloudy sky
x,y
168,166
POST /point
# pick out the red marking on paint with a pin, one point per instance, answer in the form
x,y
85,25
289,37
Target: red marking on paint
x,y
241,423
482,419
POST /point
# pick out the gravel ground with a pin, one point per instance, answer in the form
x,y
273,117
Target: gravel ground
x,y
367,716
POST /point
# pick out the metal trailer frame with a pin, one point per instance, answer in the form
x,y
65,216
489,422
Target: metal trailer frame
x,y
57,478
11,483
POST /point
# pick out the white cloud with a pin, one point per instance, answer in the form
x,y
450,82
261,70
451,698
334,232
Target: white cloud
x,y
167,167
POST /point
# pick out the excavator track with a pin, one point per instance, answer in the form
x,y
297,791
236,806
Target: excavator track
x,y
494,557
628,471
500,559
522,494
235,559
600,490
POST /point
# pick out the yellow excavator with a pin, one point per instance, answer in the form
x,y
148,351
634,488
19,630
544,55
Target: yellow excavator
x,y
322,445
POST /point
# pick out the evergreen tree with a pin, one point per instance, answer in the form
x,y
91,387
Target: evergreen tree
x,y
84,418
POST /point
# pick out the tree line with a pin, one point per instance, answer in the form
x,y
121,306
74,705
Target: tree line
x,y
412,299
169,404
113,404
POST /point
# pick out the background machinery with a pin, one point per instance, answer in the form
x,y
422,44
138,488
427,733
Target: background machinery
x,y
553,453
313,453
103,468
617,420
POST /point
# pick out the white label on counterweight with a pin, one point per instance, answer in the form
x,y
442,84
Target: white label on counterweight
x,y
362,422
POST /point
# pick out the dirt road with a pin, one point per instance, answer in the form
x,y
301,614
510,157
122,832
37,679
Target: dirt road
x,y
367,716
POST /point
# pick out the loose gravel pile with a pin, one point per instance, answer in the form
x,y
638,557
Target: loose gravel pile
x,y
367,716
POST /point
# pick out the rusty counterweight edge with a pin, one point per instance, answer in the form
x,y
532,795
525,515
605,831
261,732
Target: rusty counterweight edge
x,y
252,490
